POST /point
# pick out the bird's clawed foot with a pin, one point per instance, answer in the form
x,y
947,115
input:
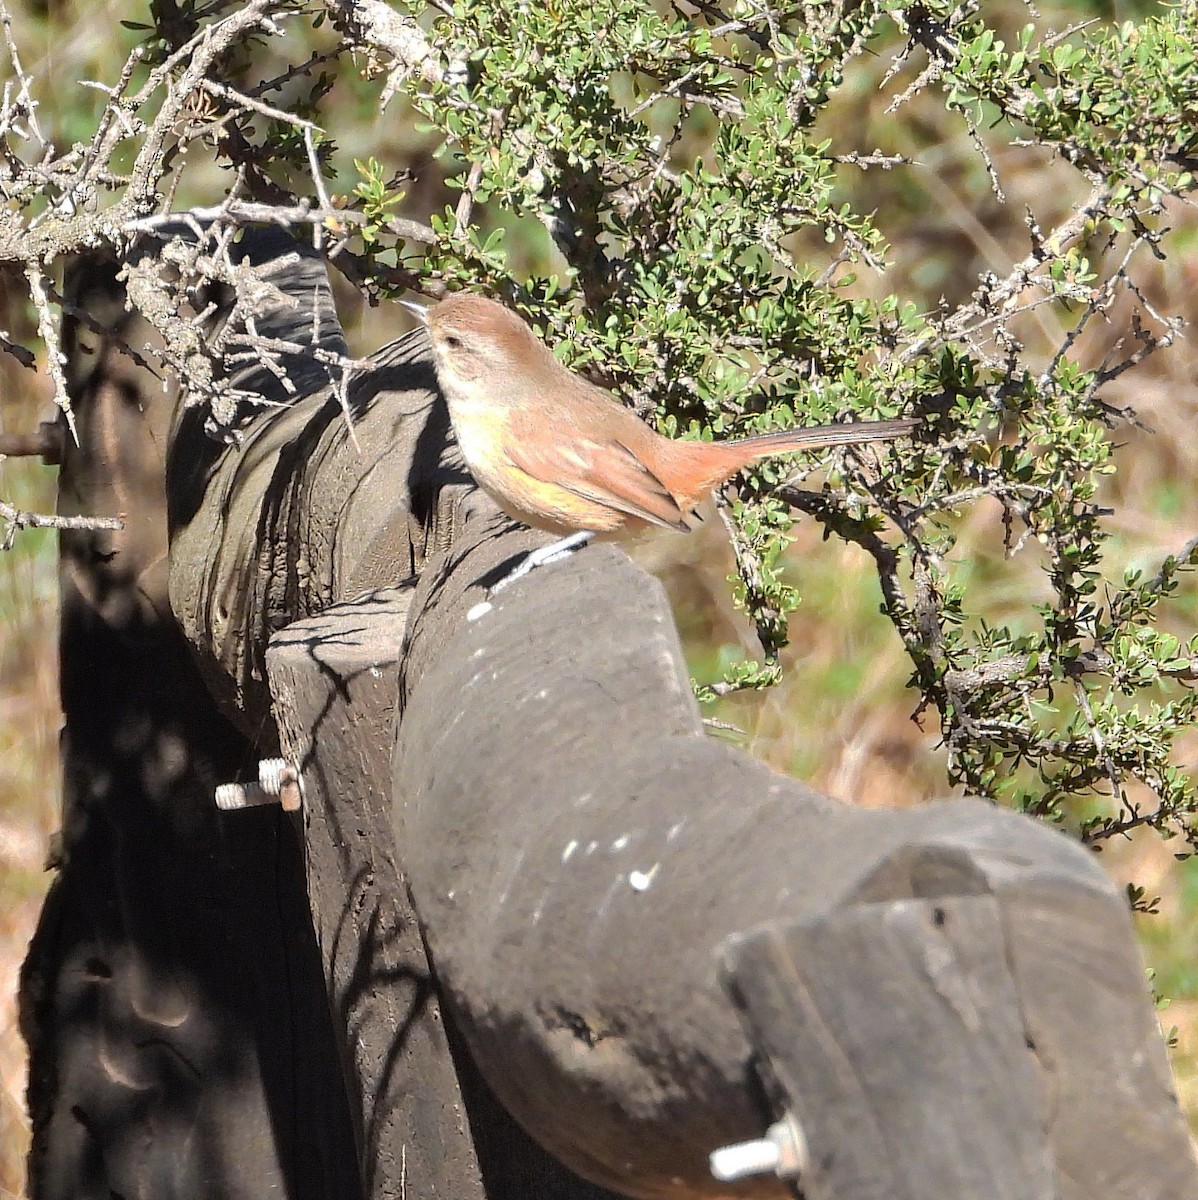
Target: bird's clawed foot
x,y
543,556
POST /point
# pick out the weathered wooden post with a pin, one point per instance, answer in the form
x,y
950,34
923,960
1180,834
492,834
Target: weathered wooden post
x,y
949,1001
540,893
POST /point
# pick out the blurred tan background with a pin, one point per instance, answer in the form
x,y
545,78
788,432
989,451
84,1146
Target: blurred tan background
x,y
842,718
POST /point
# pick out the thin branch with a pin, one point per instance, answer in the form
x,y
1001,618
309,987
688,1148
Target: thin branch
x,y
25,105
47,327
244,212
16,519
377,26
465,206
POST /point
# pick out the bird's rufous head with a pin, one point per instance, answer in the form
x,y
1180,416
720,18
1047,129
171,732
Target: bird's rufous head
x,y
477,341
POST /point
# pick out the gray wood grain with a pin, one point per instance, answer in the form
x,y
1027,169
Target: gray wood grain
x,y
580,856
426,1124
581,860
894,1034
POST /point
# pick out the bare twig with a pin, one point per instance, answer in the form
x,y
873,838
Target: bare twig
x,y
16,519
47,327
244,212
379,27
25,106
465,206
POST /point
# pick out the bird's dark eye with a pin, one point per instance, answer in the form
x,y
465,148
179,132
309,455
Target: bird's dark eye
x,y
453,341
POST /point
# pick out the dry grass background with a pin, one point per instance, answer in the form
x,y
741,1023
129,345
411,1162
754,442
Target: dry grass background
x,y
29,722
842,717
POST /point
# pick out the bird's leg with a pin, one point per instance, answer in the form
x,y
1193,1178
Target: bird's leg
x,y
543,556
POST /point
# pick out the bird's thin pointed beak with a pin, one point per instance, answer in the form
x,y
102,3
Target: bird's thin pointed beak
x,y
421,310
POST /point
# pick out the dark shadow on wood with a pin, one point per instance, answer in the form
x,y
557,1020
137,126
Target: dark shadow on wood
x,y
171,998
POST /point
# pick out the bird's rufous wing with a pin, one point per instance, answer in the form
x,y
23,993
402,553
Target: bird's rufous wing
x,y
602,472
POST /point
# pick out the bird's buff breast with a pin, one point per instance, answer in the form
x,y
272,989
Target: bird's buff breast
x,y
482,434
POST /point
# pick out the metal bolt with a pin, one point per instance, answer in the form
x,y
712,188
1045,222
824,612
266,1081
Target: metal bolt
x,y
231,796
782,1152
270,774
279,782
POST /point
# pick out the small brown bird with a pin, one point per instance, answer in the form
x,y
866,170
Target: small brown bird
x,y
559,453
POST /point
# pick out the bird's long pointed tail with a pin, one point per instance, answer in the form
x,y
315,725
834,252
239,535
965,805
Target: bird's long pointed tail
x,y
847,433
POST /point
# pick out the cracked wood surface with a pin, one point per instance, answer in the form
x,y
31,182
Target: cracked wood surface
x,y
963,1010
